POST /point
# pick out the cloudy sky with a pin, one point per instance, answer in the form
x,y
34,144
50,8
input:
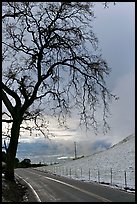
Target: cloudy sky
x,y
115,29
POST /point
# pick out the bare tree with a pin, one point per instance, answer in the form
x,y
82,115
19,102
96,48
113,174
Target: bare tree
x,y
51,64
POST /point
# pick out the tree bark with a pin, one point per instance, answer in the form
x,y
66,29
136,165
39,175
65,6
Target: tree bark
x,y
11,152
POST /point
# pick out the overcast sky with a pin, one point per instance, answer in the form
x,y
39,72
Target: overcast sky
x,y
115,29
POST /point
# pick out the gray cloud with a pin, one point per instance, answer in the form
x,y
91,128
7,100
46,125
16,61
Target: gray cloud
x,y
44,148
115,29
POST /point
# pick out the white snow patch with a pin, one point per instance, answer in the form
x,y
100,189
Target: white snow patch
x,y
114,166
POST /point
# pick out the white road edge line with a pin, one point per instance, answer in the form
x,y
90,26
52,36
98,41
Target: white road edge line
x,y
37,197
84,191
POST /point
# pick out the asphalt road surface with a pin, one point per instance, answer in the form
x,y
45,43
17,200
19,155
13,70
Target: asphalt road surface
x,y
46,187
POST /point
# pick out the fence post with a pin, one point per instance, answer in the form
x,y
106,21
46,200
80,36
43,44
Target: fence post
x,y
66,171
111,175
63,170
75,173
59,170
89,174
125,179
81,173
70,172
98,176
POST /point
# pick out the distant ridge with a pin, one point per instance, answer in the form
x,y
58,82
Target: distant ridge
x,y
129,137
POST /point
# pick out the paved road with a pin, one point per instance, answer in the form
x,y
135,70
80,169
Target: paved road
x,y
53,188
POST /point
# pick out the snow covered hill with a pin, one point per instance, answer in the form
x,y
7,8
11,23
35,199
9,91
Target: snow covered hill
x,y
115,166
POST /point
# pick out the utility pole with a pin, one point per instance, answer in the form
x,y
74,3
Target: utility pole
x,y
75,150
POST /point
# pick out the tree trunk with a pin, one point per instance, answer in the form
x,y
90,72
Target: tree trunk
x,y
11,152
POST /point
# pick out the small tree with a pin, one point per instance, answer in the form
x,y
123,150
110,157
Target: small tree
x,y
50,62
25,163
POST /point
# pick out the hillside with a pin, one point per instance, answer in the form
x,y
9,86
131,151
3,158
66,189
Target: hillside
x,y
115,166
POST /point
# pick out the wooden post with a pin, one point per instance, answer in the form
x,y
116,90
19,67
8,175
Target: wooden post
x,y
81,173
66,171
63,170
98,176
111,175
75,173
125,180
89,174
70,172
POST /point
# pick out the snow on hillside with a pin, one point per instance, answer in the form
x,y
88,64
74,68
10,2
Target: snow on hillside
x,y
115,166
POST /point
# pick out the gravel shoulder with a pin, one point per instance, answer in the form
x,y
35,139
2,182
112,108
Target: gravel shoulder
x,y
13,191
16,191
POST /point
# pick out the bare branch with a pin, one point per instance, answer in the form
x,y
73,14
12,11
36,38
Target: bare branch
x,y
7,121
50,62
7,103
11,93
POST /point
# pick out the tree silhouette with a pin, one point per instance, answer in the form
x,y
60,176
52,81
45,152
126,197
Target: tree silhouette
x,y
51,64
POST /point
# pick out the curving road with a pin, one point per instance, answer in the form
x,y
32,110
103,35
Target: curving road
x,y
46,187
